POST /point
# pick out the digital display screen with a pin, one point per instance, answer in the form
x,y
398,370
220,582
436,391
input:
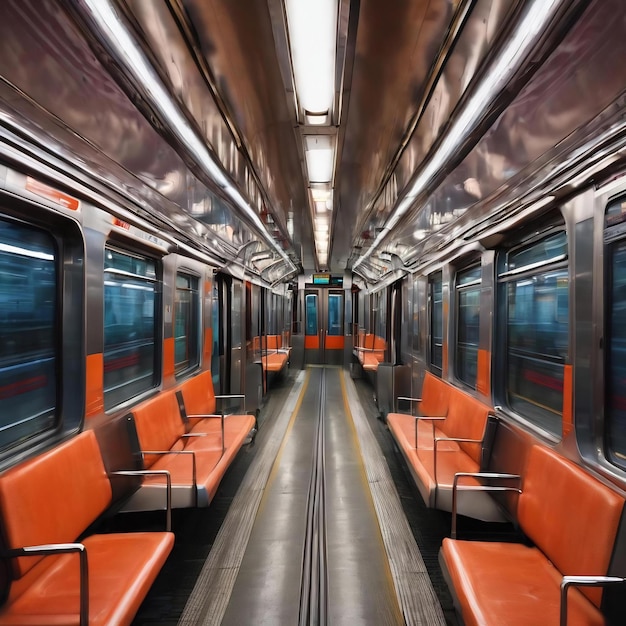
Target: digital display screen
x,y
321,279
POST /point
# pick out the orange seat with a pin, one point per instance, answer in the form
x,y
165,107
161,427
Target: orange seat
x,y
274,361
275,357
52,499
196,456
370,351
435,447
517,585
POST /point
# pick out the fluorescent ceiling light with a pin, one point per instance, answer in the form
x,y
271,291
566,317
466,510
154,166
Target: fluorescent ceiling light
x,y
315,119
320,155
321,193
312,38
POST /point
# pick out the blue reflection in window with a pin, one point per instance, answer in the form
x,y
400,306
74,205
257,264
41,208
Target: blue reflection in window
x,y
311,313
29,350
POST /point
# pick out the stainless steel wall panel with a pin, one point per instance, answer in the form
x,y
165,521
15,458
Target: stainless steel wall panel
x,y
549,118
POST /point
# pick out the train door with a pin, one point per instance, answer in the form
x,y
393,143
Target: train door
x,y
323,326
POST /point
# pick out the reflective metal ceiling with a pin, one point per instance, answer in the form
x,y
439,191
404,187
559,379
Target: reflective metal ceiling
x,y
407,70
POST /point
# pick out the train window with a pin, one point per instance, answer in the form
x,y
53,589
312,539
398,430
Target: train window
x,y
130,328
310,307
435,293
186,324
467,311
29,354
416,344
335,314
615,403
534,291
381,317
236,318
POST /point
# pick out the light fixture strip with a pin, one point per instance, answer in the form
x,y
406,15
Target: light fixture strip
x,y
507,64
128,53
312,39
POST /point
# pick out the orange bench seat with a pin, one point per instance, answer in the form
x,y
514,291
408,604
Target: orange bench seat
x,y
438,446
196,456
573,520
274,361
274,356
51,500
370,351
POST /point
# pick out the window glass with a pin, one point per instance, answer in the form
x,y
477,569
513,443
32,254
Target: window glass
x,y
236,319
536,294
468,308
380,329
130,330
286,342
335,314
435,286
616,212
311,313
550,249
29,350
616,356
186,324
415,335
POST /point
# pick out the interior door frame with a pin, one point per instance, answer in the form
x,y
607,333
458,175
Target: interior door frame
x,y
323,347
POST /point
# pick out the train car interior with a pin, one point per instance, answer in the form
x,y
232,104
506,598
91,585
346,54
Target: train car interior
x,y
312,312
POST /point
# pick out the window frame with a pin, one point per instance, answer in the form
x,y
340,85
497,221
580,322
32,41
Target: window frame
x,y
69,327
549,426
459,290
433,279
614,237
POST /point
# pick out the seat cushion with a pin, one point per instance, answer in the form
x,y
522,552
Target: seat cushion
x,y
122,568
497,584
550,513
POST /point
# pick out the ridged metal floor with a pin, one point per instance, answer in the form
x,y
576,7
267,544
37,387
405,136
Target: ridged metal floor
x,y
258,568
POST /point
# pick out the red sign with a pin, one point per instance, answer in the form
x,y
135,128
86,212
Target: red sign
x,y
45,191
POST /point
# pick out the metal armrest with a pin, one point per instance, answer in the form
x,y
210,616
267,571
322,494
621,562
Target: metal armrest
x,y
193,464
63,548
409,399
583,581
239,396
425,418
487,475
168,489
220,415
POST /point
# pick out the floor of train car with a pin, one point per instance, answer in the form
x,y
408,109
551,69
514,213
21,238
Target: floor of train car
x,y
196,529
